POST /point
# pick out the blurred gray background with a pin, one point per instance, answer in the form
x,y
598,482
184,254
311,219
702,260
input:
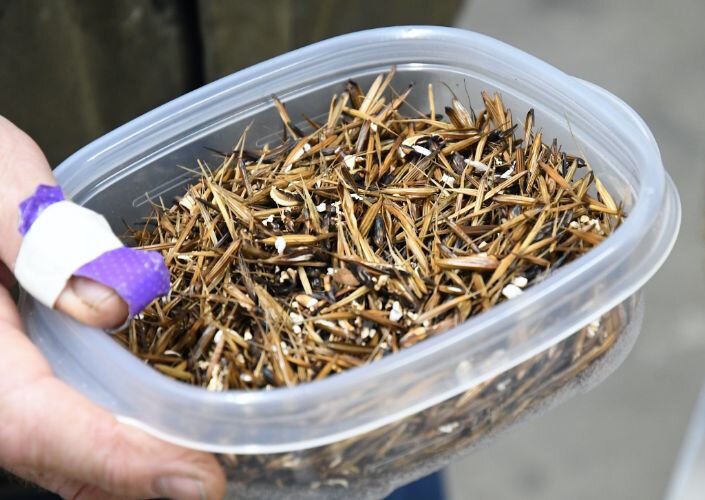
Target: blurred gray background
x,y
621,440
71,70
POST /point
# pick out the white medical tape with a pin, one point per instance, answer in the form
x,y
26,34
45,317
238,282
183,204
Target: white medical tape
x,y
64,237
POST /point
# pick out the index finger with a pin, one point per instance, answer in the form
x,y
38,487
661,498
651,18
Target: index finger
x,y
49,427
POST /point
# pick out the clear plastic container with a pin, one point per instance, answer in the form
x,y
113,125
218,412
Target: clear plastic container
x,y
364,432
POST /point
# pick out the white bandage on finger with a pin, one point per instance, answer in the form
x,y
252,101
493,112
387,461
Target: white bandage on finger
x,y
63,238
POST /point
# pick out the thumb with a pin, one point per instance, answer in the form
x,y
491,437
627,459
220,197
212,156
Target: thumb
x,y
23,167
92,303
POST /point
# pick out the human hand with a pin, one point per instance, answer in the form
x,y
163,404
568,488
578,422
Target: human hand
x,y
50,434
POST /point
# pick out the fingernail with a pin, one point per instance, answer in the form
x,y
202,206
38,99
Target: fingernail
x,y
93,294
180,488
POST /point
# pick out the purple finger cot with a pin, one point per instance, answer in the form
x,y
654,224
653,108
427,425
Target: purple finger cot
x,y
136,275
35,205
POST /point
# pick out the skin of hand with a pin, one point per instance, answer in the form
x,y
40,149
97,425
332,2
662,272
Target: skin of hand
x,y
50,434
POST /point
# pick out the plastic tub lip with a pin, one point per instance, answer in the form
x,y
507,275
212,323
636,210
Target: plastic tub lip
x,y
654,190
